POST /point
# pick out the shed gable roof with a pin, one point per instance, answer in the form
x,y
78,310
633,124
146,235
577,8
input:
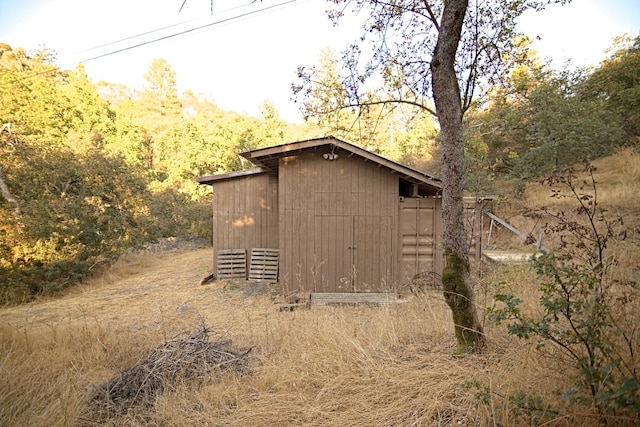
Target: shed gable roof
x,y
210,179
268,159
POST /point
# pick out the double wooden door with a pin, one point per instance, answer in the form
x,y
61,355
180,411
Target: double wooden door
x,y
355,252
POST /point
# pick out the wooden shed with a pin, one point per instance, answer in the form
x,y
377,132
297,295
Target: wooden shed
x,y
342,218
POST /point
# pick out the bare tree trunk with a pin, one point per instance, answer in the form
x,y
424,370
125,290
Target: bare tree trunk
x,y
7,194
456,279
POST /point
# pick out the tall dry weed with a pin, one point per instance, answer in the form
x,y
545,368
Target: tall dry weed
x,y
326,366
617,178
46,374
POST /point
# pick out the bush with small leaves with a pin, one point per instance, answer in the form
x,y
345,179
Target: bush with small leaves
x,y
581,305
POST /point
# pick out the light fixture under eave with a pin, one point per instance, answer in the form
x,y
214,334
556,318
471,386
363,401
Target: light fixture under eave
x,y
330,156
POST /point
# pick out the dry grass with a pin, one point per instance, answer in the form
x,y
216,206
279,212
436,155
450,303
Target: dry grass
x,y
617,179
348,366
618,186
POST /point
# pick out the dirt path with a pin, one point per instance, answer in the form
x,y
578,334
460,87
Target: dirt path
x,y
144,292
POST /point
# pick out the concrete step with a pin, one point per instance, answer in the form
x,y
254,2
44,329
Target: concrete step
x,y
337,298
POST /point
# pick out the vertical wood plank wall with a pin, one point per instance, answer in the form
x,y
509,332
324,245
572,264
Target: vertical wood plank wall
x,y
337,224
245,213
340,225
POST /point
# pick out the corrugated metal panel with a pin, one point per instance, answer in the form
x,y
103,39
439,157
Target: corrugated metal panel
x,y
418,239
474,229
421,229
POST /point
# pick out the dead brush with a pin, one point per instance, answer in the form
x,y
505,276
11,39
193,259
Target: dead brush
x,y
191,357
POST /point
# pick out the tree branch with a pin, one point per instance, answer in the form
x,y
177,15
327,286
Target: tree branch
x,y
361,103
7,194
432,16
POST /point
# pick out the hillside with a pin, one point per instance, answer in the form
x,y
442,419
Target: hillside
x,y
348,366
617,181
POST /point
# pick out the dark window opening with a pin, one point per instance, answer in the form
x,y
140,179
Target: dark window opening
x,y
405,189
410,189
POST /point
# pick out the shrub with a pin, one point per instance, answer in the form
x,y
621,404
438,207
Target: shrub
x,y
73,210
585,312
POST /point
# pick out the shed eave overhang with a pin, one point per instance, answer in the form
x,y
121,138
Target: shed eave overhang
x,y
210,179
268,158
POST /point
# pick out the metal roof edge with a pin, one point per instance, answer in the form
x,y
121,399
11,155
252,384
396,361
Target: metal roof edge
x,y
209,179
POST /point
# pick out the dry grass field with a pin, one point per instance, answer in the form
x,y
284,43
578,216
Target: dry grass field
x,y
325,366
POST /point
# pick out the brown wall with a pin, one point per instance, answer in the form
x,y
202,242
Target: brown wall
x,y
337,221
420,237
245,213
340,225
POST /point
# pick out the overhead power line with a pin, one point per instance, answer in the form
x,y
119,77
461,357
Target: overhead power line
x,y
159,29
185,1
176,34
191,30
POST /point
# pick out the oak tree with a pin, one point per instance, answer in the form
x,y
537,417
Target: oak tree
x,y
440,56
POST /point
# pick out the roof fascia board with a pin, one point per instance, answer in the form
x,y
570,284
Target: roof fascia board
x,y
270,152
209,179
281,149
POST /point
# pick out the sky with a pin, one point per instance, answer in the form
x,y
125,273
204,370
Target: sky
x,y
247,52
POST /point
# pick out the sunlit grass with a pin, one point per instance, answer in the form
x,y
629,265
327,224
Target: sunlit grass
x,y
617,181
351,366
325,366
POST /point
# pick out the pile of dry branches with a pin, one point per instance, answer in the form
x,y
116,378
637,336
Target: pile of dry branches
x,y
191,357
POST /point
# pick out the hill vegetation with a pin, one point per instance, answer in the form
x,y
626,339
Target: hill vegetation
x,y
364,365
89,172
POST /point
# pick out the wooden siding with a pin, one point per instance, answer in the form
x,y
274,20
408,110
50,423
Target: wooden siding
x,y
337,221
420,237
245,213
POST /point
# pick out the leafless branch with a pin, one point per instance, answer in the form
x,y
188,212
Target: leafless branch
x,y
7,194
